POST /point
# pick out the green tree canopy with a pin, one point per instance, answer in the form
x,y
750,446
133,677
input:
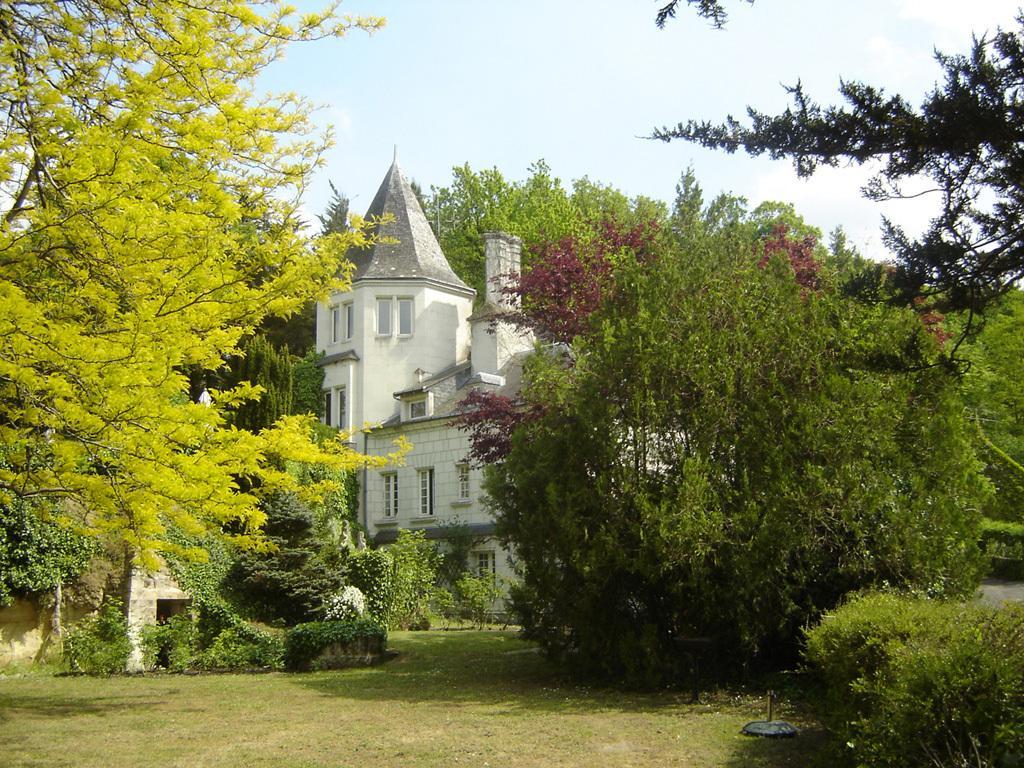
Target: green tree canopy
x,y
538,210
995,396
726,458
335,218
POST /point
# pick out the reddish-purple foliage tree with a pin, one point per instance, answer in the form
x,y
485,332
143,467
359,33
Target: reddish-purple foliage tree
x,y
570,278
566,284
490,419
933,321
799,254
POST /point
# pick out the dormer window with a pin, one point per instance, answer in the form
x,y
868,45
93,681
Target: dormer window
x,y
418,408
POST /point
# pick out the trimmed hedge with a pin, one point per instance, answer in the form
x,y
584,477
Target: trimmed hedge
x,y
1003,543
911,682
304,643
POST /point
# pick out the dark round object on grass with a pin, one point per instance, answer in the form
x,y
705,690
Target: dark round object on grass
x,y
770,729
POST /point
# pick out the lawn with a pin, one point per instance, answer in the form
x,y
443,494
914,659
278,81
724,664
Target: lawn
x,y
450,698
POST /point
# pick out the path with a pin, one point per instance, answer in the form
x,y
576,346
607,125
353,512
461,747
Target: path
x,y
996,591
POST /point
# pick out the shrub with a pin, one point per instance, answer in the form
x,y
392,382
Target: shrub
x,y
442,602
172,645
397,581
243,646
475,596
348,604
99,645
414,561
305,642
911,682
371,570
725,450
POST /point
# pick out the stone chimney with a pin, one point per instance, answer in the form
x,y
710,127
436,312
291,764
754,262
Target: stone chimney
x,y
502,260
495,341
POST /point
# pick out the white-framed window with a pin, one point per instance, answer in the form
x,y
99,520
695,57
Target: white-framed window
x,y
426,477
384,316
335,325
405,307
327,408
418,408
350,319
485,563
390,494
462,472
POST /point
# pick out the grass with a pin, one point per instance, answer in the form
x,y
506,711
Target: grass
x,y
451,699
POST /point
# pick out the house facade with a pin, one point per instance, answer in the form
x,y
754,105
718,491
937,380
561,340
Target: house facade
x,y
401,349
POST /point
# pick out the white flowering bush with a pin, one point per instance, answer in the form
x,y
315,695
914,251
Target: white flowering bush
x,y
348,604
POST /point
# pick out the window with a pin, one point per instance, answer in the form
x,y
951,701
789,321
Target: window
x,y
339,395
350,320
327,408
426,491
485,563
383,317
335,325
418,409
405,317
390,494
462,470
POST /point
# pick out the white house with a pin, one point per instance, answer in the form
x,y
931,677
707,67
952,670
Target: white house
x,y
401,350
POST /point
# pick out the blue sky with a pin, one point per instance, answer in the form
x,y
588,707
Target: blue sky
x,y
502,84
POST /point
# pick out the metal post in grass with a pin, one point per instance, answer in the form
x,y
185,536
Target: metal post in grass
x,y
770,728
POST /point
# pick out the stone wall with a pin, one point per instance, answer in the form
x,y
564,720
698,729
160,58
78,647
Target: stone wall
x,y
144,590
25,628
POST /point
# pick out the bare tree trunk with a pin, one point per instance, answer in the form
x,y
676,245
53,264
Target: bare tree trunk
x,y
56,631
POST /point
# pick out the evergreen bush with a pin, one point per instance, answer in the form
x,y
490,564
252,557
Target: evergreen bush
x,y
911,682
398,582
287,585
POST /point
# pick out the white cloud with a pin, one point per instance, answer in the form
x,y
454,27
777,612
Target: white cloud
x,y
341,119
901,67
955,20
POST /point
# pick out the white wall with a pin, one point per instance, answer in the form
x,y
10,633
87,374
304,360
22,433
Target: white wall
x,y
434,444
386,364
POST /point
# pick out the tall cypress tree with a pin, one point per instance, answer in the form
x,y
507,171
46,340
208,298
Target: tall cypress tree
x,y
271,368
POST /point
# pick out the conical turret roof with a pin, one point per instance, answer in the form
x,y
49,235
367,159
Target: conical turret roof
x,y
413,252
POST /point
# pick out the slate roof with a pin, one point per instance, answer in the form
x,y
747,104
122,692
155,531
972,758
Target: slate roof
x,y
451,386
413,252
389,536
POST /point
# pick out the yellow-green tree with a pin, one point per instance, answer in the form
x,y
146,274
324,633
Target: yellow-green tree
x,y
148,224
